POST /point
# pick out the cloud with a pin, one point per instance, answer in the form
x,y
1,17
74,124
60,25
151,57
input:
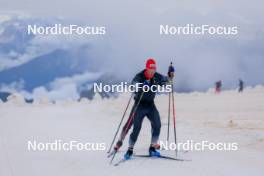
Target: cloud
x,y
59,89
133,36
13,87
69,91
20,48
63,88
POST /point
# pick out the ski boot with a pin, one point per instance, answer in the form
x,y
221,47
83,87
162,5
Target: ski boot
x,y
129,153
153,151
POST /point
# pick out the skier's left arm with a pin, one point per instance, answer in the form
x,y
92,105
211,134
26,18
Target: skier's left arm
x,y
162,80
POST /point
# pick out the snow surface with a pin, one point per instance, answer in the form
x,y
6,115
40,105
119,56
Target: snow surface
x,y
227,117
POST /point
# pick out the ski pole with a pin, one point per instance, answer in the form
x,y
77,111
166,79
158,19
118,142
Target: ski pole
x,y
170,71
119,125
171,75
168,132
174,121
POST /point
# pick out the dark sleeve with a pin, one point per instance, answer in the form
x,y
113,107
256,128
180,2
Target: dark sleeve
x,y
136,79
161,80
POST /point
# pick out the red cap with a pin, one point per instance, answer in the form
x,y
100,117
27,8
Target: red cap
x,y
151,64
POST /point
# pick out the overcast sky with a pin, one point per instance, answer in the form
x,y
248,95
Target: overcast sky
x,y
133,36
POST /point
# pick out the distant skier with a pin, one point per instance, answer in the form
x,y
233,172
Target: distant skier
x,y
241,85
218,86
146,107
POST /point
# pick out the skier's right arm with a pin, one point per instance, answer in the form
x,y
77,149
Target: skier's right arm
x,y
136,79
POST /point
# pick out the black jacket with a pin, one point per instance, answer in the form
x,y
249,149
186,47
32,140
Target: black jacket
x,y
148,97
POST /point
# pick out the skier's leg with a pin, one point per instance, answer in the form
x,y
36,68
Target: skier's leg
x,y
125,129
137,123
154,117
127,125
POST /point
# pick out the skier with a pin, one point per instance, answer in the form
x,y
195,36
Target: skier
x,y
218,86
241,85
146,107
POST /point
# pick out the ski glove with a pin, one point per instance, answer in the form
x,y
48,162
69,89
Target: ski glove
x,y
171,72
